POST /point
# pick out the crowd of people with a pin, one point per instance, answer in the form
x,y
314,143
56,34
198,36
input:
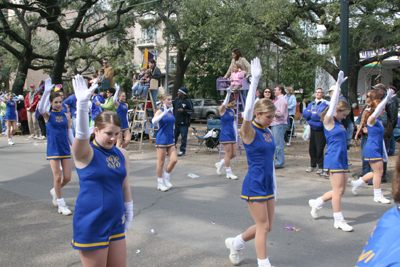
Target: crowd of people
x,y
97,143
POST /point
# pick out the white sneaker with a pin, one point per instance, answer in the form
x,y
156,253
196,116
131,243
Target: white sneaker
x,y
287,144
42,137
355,187
230,175
167,183
382,200
234,254
320,171
31,136
162,187
324,175
343,225
311,169
10,142
218,168
314,210
54,195
36,137
64,210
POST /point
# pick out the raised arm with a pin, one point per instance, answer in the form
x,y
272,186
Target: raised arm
x,y
328,120
160,114
116,103
372,119
48,86
81,149
247,132
225,103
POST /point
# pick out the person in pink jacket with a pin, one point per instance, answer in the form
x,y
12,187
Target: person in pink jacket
x,y
236,78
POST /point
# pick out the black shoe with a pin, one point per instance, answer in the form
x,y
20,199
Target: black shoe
x,y
181,153
384,181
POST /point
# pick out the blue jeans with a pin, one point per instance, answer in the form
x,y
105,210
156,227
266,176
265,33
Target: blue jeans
x,y
154,94
3,124
392,146
183,131
137,88
144,90
350,130
366,168
279,135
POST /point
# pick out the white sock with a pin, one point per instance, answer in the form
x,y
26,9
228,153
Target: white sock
x,y
160,180
359,182
378,192
222,163
166,175
263,263
60,202
10,139
228,169
338,216
238,242
319,203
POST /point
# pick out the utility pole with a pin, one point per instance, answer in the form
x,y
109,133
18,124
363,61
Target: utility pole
x,y
344,45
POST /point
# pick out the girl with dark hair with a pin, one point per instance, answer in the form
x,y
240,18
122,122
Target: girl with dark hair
x,y
335,160
375,151
104,194
165,142
269,94
228,134
259,95
59,132
120,105
11,116
240,62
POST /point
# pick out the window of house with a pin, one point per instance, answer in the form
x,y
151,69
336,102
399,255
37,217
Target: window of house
x,y
149,34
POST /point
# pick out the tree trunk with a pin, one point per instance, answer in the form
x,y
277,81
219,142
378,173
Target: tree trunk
x,y
22,72
181,66
354,68
59,60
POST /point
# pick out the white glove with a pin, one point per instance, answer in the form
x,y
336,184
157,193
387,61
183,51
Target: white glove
x,y
228,95
117,87
256,71
48,86
70,136
128,208
156,119
381,106
336,93
83,94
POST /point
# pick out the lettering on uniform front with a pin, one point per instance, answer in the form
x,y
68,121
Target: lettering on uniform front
x,y
113,162
59,119
267,137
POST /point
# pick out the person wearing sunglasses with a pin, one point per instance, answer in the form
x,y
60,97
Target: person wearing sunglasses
x,y
269,94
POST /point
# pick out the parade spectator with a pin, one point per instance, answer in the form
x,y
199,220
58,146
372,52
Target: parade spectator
x,y
183,108
31,101
155,74
392,144
236,79
94,80
317,140
109,73
259,95
40,119
145,84
279,124
23,118
269,94
137,82
100,80
292,104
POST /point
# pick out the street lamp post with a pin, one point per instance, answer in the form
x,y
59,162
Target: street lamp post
x,y
344,44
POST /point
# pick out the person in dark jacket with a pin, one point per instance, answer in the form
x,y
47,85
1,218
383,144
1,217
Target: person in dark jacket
x,y
155,74
183,108
317,140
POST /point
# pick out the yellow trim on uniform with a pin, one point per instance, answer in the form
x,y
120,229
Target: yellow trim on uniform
x,y
98,243
125,129
250,198
372,159
59,157
228,142
94,143
257,125
55,110
341,170
165,145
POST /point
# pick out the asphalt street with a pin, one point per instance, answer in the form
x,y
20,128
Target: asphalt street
x,y
190,222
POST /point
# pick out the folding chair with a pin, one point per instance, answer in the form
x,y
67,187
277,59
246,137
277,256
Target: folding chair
x,y
211,139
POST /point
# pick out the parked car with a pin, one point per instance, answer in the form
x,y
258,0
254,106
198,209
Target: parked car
x,y
205,109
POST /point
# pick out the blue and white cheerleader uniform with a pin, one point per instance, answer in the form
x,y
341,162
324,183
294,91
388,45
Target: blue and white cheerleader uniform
x,y
11,114
374,147
258,185
57,136
165,135
228,132
335,160
122,112
100,203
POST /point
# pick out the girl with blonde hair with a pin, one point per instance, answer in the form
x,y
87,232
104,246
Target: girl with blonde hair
x,y
165,142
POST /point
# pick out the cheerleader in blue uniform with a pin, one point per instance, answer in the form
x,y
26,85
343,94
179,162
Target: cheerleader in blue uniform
x,y
122,110
104,195
228,135
259,186
335,160
165,142
383,245
375,151
59,133
11,116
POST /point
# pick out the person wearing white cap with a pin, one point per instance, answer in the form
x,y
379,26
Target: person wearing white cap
x,y
183,108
